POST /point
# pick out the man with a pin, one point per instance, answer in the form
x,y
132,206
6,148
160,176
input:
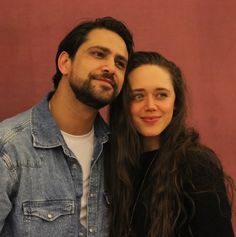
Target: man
x,y
51,157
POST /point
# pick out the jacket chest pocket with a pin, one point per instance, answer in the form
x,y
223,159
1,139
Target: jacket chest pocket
x,y
49,218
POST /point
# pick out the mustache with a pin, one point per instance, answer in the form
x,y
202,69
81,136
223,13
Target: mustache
x,y
104,75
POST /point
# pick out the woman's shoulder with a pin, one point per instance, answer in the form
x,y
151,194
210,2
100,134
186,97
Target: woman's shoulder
x,y
201,157
202,168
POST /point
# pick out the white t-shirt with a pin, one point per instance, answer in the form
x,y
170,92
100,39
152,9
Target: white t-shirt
x,y
82,147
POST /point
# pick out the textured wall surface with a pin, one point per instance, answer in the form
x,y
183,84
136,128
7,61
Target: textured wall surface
x,y
198,35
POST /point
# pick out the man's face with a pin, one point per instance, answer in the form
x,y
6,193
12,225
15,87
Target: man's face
x,y
97,71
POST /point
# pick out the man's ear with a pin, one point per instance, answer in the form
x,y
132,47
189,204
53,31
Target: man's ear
x,y
64,63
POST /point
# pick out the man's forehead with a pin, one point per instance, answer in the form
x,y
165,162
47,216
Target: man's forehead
x,y
106,39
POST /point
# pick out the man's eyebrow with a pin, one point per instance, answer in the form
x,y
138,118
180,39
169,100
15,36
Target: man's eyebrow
x,y
157,89
106,50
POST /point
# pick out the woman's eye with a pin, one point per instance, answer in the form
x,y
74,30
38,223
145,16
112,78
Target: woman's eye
x,y
161,95
138,97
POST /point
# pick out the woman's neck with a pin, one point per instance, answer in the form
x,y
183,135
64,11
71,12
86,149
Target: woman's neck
x,y
150,143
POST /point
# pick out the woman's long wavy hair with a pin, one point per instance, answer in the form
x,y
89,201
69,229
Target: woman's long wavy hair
x,y
166,210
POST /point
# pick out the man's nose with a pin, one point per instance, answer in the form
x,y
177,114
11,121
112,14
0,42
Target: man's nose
x,y
109,66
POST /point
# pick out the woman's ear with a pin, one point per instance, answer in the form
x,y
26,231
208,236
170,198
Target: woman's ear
x,y
64,63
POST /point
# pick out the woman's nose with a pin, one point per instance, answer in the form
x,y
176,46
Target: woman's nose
x,y
150,103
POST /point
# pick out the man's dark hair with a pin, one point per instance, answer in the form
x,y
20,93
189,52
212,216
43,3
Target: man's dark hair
x,y
77,36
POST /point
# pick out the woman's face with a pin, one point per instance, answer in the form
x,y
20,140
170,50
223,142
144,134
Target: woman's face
x,y
152,102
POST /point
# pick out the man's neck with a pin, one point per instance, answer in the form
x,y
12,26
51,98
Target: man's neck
x,y
71,115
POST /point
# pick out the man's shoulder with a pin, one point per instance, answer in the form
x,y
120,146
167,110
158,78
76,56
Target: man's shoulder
x,y
12,127
21,123
16,122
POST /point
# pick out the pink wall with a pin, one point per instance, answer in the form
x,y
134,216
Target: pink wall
x,y
200,36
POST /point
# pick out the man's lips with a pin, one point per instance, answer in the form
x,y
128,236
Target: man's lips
x,y
106,80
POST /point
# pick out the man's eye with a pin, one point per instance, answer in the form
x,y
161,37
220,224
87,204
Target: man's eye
x,y
98,54
121,65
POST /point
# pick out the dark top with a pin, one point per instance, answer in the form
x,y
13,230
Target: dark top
x,y
212,215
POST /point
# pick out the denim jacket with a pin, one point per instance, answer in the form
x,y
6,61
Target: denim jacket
x,y
41,180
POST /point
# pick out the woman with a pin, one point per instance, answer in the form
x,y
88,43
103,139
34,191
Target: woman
x,y
163,181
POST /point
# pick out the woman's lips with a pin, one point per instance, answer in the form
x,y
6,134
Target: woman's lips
x,y
150,119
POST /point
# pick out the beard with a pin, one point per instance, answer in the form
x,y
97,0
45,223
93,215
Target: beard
x,y
89,95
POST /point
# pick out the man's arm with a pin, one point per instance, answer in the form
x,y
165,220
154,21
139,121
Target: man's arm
x,y
7,180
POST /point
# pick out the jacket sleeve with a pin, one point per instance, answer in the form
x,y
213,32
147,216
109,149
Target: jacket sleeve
x,y
7,180
212,215
212,211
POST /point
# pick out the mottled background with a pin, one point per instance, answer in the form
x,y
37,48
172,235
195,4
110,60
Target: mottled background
x,y
200,36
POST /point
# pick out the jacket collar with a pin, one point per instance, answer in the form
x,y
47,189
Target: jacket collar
x,y
46,133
